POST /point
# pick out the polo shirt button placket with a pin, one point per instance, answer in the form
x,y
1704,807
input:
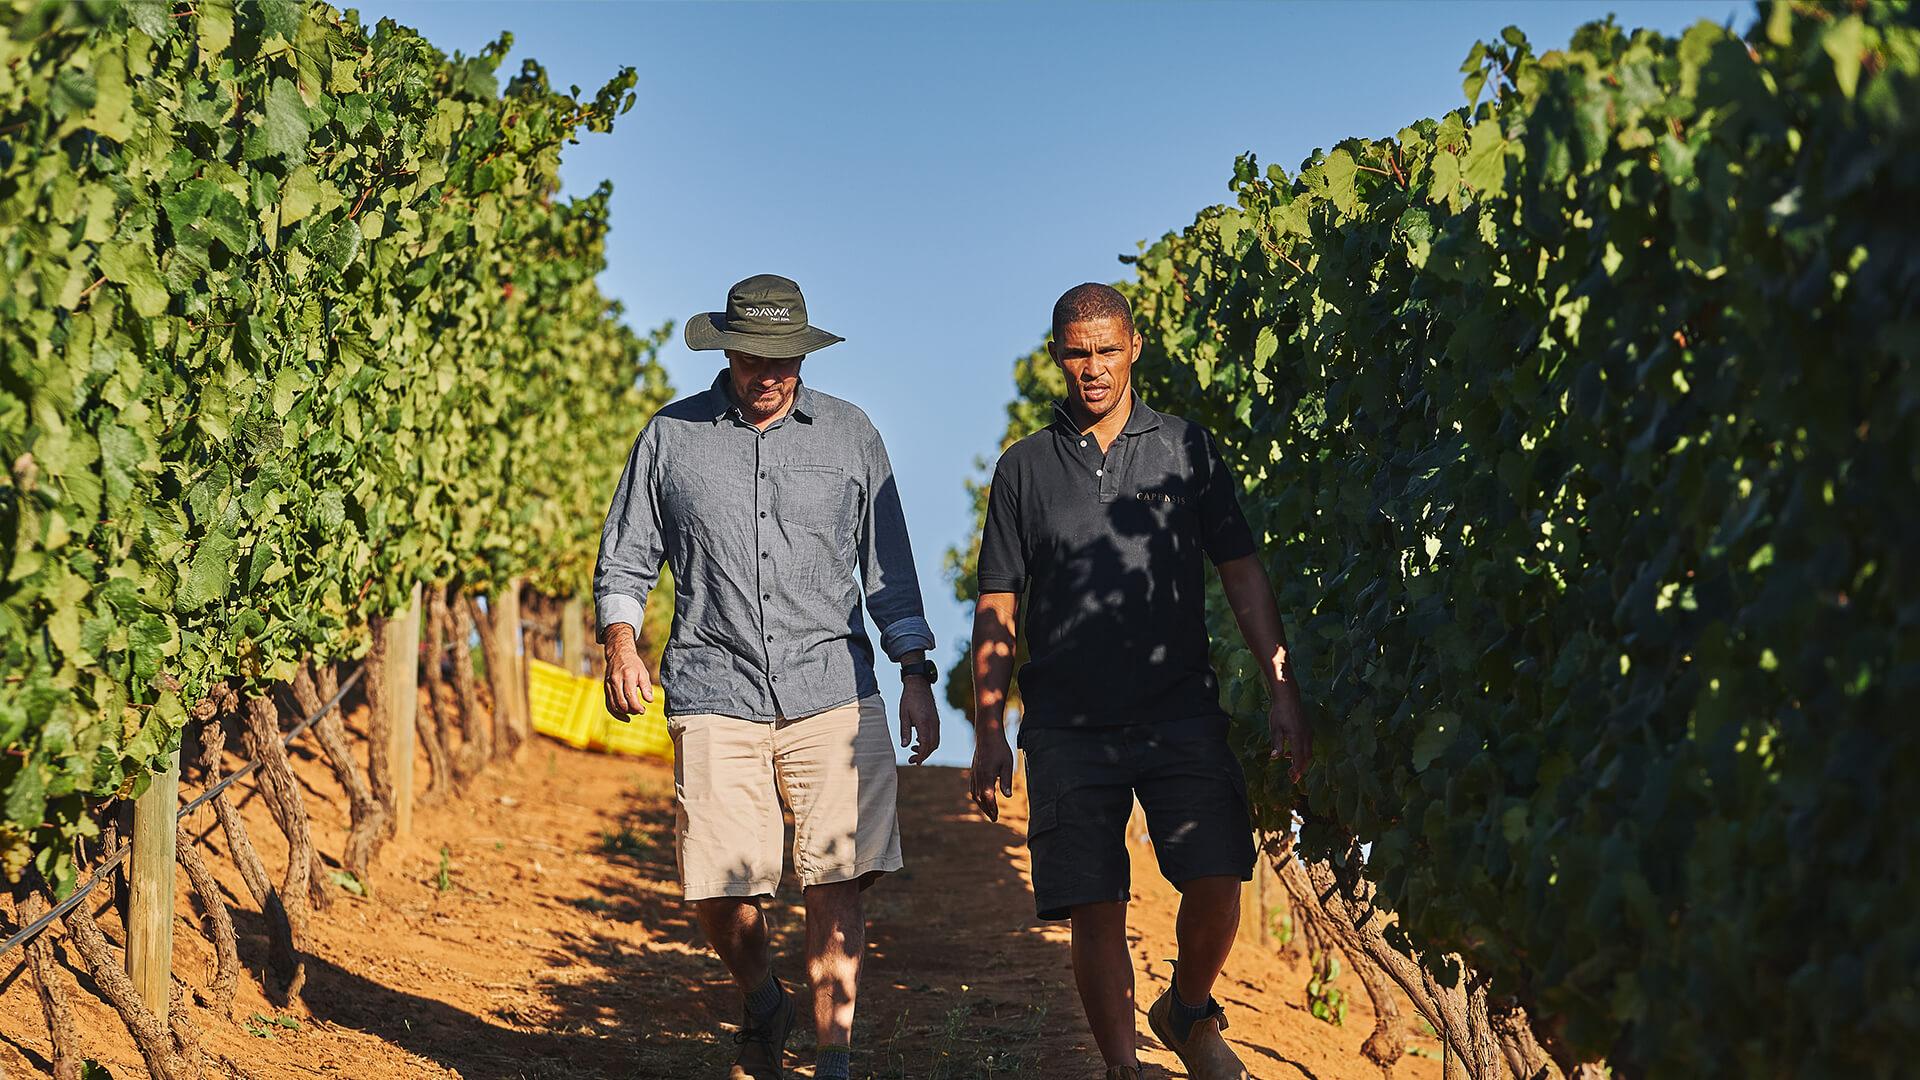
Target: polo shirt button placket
x,y
1110,462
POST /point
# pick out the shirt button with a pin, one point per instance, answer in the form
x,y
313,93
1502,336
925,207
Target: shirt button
x,y
763,513
1099,472
1083,442
763,474
766,596
764,555
769,637
776,678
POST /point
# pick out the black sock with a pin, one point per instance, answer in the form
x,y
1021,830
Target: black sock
x,y
831,1063
762,1002
1183,1016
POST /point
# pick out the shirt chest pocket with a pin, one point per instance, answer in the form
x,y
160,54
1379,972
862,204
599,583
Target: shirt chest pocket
x,y
817,498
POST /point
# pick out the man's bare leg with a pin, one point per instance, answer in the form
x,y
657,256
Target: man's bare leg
x,y
836,938
1103,970
737,930
1209,918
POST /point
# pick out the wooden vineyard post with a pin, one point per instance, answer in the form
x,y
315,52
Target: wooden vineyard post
x,y
1253,906
150,916
573,638
403,697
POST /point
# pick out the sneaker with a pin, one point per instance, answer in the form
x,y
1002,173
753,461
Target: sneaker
x,y
1204,1053
763,1047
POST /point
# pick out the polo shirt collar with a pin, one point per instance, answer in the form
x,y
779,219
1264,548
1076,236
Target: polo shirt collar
x,y
1140,421
720,401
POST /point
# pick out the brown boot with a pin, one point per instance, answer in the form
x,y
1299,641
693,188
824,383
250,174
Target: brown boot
x,y
763,1047
1204,1053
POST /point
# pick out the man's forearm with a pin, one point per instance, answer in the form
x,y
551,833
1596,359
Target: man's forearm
x,y
1250,595
620,635
993,645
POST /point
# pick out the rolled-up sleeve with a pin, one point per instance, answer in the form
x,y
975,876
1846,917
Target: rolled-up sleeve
x,y
631,548
886,561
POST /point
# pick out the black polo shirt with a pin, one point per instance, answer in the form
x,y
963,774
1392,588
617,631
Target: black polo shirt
x,y
1107,548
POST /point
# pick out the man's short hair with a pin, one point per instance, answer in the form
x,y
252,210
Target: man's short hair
x,y
1088,303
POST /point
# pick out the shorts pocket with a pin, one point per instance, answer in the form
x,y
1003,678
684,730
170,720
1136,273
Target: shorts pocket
x,y
1045,819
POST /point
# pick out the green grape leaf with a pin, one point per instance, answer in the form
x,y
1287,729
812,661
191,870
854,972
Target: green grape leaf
x,y
209,575
283,129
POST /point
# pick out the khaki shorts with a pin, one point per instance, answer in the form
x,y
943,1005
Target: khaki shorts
x,y
834,770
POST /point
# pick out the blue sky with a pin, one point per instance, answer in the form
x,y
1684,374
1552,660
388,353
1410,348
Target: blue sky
x,y
935,175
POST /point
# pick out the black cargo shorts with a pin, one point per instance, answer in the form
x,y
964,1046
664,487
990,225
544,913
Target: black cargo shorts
x,y
1081,784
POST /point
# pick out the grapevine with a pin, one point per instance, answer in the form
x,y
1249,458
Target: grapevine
x,y
1583,425
293,317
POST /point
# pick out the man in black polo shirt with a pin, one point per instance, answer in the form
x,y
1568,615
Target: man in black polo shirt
x,y
1102,520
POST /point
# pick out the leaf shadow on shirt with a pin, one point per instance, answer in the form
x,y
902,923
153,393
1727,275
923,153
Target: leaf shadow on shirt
x,y
1132,639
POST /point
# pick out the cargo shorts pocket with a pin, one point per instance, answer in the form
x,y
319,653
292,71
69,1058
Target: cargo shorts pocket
x,y
1076,836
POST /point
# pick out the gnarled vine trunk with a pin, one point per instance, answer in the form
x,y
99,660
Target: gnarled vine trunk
x,y
283,960
283,790
367,816
1383,1046
439,702
1473,1043
476,724
167,1053
219,925
28,905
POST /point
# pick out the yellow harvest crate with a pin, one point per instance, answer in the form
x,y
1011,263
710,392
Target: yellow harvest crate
x,y
644,736
573,709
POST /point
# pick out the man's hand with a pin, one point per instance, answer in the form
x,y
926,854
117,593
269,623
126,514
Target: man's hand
x,y
1287,724
992,772
629,687
919,718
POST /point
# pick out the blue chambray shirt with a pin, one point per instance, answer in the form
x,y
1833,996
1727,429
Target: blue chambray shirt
x,y
773,536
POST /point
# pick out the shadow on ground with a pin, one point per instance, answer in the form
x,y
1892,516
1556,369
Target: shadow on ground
x,y
946,994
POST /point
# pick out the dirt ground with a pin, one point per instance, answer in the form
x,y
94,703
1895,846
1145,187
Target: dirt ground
x,y
558,950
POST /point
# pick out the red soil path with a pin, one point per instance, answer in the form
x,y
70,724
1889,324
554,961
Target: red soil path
x,y
560,951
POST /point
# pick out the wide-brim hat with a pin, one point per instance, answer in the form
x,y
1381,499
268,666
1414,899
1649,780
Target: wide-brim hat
x,y
765,316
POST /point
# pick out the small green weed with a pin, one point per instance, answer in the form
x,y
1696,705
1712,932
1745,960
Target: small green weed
x,y
1280,924
966,1048
1326,1001
445,879
623,841
262,1026
346,880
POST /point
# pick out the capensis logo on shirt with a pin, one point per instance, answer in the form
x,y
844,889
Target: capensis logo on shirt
x,y
1161,496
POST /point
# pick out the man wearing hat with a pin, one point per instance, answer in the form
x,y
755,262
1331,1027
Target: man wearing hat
x,y
778,511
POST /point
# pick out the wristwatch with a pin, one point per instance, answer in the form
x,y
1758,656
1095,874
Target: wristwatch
x,y
923,669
